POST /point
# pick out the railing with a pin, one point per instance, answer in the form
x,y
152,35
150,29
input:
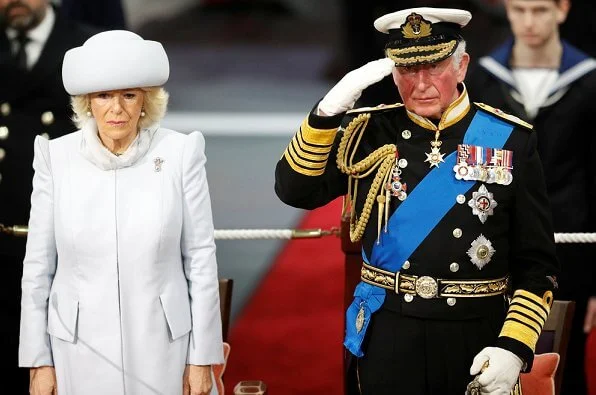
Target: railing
x,y
253,234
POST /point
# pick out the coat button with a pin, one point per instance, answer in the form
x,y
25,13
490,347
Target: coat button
x,y
451,301
402,163
408,297
5,109
406,265
406,134
461,199
454,267
47,118
457,233
2,154
3,132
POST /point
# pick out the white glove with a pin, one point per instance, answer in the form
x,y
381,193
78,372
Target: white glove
x,y
502,372
344,94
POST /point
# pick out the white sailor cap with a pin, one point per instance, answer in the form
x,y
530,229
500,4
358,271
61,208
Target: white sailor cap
x,y
422,35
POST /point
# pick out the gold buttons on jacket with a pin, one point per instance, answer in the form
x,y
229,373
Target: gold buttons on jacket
x,y
406,265
2,154
406,134
454,267
47,118
451,301
408,297
461,199
3,132
5,109
457,233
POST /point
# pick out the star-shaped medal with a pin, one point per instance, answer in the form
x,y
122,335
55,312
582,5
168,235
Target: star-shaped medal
x,y
435,157
482,203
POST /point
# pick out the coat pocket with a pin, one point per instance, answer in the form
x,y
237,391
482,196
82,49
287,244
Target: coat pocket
x,y
63,313
176,308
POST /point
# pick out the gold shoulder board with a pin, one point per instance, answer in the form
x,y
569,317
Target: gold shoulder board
x,y
504,115
376,108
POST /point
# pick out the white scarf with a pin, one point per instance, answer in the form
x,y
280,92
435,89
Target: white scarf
x,y
94,151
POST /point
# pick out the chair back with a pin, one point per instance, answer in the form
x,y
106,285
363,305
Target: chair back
x,y
226,286
555,335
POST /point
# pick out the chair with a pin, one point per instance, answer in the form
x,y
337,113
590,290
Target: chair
x,y
226,286
256,387
555,335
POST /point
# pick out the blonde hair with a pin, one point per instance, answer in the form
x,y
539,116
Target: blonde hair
x,y
155,104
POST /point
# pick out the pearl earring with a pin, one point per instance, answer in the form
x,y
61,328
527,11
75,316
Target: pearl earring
x,y
89,114
142,113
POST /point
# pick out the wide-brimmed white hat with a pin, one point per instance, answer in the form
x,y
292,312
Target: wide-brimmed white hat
x,y
114,59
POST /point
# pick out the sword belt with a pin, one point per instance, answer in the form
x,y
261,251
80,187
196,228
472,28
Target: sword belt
x,y
429,288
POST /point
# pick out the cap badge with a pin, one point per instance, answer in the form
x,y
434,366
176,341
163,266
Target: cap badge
x,y
416,27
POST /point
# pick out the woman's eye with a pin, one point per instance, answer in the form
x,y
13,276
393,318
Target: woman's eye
x,y
129,95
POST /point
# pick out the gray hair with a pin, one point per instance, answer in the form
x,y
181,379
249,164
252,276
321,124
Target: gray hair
x,y
459,53
155,105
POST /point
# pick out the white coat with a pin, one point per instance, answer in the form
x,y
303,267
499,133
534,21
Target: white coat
x,y
119,285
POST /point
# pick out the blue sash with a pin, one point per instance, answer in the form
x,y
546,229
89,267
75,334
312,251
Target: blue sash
x,y
415,218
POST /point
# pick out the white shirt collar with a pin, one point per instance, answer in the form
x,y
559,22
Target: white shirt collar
x,y
40,33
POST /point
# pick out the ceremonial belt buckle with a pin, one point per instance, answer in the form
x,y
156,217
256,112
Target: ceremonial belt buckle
x,y
427,287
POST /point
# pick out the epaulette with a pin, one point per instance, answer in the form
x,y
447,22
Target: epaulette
x,y
380,107
504,115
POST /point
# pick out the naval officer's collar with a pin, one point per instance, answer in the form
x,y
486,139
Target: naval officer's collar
x,y
453,114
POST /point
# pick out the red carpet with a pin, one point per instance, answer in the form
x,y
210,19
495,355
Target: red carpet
x,y
291,331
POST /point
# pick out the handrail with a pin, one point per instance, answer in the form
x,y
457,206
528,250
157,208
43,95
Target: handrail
x,y
253,234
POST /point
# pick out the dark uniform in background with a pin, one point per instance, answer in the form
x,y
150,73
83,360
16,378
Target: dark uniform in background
x,y
566,145
448,230
32,102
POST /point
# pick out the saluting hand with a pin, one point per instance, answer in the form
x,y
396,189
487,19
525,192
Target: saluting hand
x,y
344,94
197,380
42,381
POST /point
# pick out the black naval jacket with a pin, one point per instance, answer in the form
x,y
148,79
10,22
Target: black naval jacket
x,y
32,103
520,229
566,145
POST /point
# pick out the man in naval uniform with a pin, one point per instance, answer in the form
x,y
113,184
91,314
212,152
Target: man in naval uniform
x,y
449,202
33,40
548,82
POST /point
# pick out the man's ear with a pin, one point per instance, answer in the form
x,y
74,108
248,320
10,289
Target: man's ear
x,y
463,67
563,7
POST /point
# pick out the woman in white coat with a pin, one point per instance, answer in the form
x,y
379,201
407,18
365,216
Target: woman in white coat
x,y
120,290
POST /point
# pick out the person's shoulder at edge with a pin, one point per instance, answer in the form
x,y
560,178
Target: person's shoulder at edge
x,y
500,114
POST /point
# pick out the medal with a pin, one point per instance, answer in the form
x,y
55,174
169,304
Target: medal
x,y
481,251
360,319
482,203
435,157
395,186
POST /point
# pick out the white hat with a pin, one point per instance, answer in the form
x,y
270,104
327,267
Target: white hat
x,y
422,35
114,59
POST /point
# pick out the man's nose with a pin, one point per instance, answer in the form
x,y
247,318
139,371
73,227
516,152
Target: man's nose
x,y
422,78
